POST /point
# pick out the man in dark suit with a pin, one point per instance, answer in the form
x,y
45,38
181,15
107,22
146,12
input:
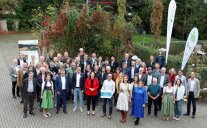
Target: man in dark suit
x,y
78,88
124,69
62,90
151,62
40,80
21,59
93,60
29,90
127,60
163,80
85,63
132,71
160,59
113,63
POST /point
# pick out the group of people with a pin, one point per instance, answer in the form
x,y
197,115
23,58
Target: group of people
x,y
53,80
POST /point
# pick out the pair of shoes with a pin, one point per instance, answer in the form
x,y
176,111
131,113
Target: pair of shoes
x,y
93,113
186,114
74,109
155,115
103,115
81,109
167,118
25,116
45,115
164,118
14,97
18,96
174,117
57,112
21,102
193,116
109,117
65,112
32,113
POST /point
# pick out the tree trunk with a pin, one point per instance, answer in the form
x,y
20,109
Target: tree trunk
x,y
3,25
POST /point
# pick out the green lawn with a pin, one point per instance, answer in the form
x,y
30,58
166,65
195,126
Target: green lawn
x,y
149,39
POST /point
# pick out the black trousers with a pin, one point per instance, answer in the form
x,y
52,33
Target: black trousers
x,y
92,99
150,100
14,86
28,99
160,99
38,92
192,99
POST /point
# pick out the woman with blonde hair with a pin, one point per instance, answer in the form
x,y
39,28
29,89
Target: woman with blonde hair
x,y
124,98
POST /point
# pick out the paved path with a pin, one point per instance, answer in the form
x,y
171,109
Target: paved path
x,y
11,115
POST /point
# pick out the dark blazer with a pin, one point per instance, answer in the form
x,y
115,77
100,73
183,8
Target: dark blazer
x,y
58,83
102,78
151,64
25,86
98,75
160,60
18,61
82,81
145,78
135,71
128,62
114,66
87,63
125,71
39,80
166,80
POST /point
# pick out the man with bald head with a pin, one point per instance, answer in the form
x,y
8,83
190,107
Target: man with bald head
x,y
153,91
13,72
21,59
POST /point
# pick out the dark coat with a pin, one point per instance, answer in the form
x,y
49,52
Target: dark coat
x,y
25,86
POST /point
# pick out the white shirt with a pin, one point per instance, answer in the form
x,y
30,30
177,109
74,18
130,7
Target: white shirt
x,y
180,92
140,76
49,84
43,77
168,90
192,84
21,62
149,79
109,85
78,80
63,82
162,81
132,72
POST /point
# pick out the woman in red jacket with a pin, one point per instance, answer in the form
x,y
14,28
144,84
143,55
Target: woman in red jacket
x,y
91,86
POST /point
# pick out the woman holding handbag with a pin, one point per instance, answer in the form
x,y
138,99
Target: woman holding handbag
x,y
47,94
124,98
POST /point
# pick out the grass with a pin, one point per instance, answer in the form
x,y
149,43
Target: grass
x,y
149,39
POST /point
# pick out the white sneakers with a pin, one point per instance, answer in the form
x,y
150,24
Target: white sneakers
x,y
176,118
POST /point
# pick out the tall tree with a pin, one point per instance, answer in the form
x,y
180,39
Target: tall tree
x,y
156,19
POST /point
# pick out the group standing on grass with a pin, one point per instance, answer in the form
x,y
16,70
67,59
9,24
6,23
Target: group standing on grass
x,y
134,85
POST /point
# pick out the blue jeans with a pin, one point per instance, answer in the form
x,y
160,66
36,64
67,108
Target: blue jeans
x,y
178,108
110,105
78,94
